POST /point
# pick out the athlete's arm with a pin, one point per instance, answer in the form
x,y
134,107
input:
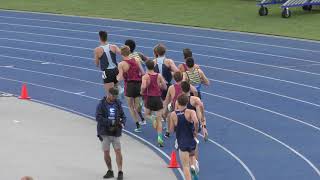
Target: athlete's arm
x,y
163,84
181,68
204,78
115,49
194,90
195,122
140,67
120,69
97,55
168,97
173,119
173,66
143,57
144,84
196,102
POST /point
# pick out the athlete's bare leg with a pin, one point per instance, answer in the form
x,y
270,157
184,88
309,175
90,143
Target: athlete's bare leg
x,y
185,160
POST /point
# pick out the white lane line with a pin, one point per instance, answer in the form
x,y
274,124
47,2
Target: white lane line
x,y
234,156
228,70
51,63
271,137
163,32
210,94
169,25
265,77
146,47
7,66
264,109
267,92
46,63
46,52
215,80
55,75
79,93
169,41
139,137
247,126
53,44
306,65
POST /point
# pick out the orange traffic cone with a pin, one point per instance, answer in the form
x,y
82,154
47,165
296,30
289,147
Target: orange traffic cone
x,y
173,161
24,92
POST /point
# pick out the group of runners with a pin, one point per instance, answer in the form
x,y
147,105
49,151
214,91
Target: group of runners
x,y
169,95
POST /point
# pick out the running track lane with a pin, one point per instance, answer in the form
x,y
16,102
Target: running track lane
x,y
240,139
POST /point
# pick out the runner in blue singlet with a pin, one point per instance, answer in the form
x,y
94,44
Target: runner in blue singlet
x,y
105,57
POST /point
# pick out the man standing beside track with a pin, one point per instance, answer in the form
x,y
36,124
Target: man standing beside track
x,y
105,57
111,119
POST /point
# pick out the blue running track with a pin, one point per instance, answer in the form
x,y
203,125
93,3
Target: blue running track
x,y
263,107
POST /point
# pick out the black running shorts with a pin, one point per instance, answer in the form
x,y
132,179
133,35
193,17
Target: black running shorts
x,y
133,89
110,75
153,103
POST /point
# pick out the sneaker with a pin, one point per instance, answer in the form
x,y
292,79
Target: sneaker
x,y
167,135
160,141
108,175
197,167
120,175
144,122
138,130
194,174
206,137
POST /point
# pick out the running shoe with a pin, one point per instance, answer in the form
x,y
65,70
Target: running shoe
x,y
206,137
144,122
167,135
138,130
160,141
120,175
108,175
197,167
194,175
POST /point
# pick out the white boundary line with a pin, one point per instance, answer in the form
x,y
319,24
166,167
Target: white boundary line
x,y
242,124
170,25
229,70
136,136
146,47
169,41
210,94
49,63
215,80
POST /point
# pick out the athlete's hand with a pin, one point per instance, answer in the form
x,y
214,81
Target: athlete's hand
x,y
205,134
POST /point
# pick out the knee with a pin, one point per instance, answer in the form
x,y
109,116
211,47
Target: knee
x,y
106,153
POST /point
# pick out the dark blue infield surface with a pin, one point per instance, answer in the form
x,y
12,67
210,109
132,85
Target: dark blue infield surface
x,y
263,107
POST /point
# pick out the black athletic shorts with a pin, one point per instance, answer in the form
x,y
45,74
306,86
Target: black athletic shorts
x,y
133,89
190,149
110,75
154,103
